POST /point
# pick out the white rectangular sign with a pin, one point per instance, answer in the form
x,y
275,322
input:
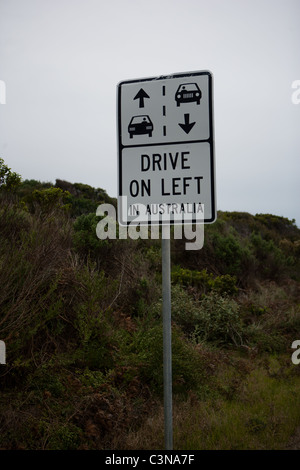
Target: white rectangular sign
x,y
166,150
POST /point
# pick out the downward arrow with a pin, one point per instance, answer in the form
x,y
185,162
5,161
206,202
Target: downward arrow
x,y
187,126
141,95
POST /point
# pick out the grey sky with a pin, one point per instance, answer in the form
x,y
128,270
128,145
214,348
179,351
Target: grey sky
x,y
61,61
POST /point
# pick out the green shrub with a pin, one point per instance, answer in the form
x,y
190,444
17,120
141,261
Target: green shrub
x,y
63,436
272,262
229,252
144,352
14,220
214,318
204,281
48,200
280,225
225,284
9,180
219,320
44,379
85,239
185,310
29,275
263,340
187,277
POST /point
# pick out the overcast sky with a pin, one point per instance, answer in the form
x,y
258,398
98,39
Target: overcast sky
x,y
61,61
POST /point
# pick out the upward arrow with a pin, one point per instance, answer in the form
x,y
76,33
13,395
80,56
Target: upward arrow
x,y
141,95
187,126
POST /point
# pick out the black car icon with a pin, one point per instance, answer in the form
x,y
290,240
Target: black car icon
x,y
187,93
140,125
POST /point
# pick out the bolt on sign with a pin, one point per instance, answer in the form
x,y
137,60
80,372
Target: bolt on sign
x,y
166,164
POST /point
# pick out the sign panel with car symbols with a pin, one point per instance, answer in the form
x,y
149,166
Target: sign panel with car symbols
x,y
166,166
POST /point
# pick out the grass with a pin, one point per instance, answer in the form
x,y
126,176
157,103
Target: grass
x,y
262,414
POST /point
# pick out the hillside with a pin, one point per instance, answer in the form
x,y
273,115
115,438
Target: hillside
x,y
81,320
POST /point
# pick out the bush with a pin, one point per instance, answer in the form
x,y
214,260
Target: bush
x,y
229,252
143,352
48,200
272,263
9,180
185,310
213,318
14,221
192,278
204,281
84,198
263,340
85,239
219,320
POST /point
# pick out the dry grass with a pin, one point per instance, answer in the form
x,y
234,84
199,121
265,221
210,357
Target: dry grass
x,y
262,415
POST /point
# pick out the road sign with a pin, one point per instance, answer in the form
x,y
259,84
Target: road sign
x,y
166,150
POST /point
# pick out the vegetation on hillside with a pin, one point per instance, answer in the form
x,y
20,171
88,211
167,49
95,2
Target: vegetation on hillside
x,y
81,319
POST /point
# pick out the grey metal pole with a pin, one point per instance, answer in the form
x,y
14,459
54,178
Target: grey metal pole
x,y
167,340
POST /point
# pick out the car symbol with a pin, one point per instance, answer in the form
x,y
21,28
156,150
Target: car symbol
x,y
187,93
140,125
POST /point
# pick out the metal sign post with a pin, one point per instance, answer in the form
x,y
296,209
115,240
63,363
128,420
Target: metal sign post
x,y
167,337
